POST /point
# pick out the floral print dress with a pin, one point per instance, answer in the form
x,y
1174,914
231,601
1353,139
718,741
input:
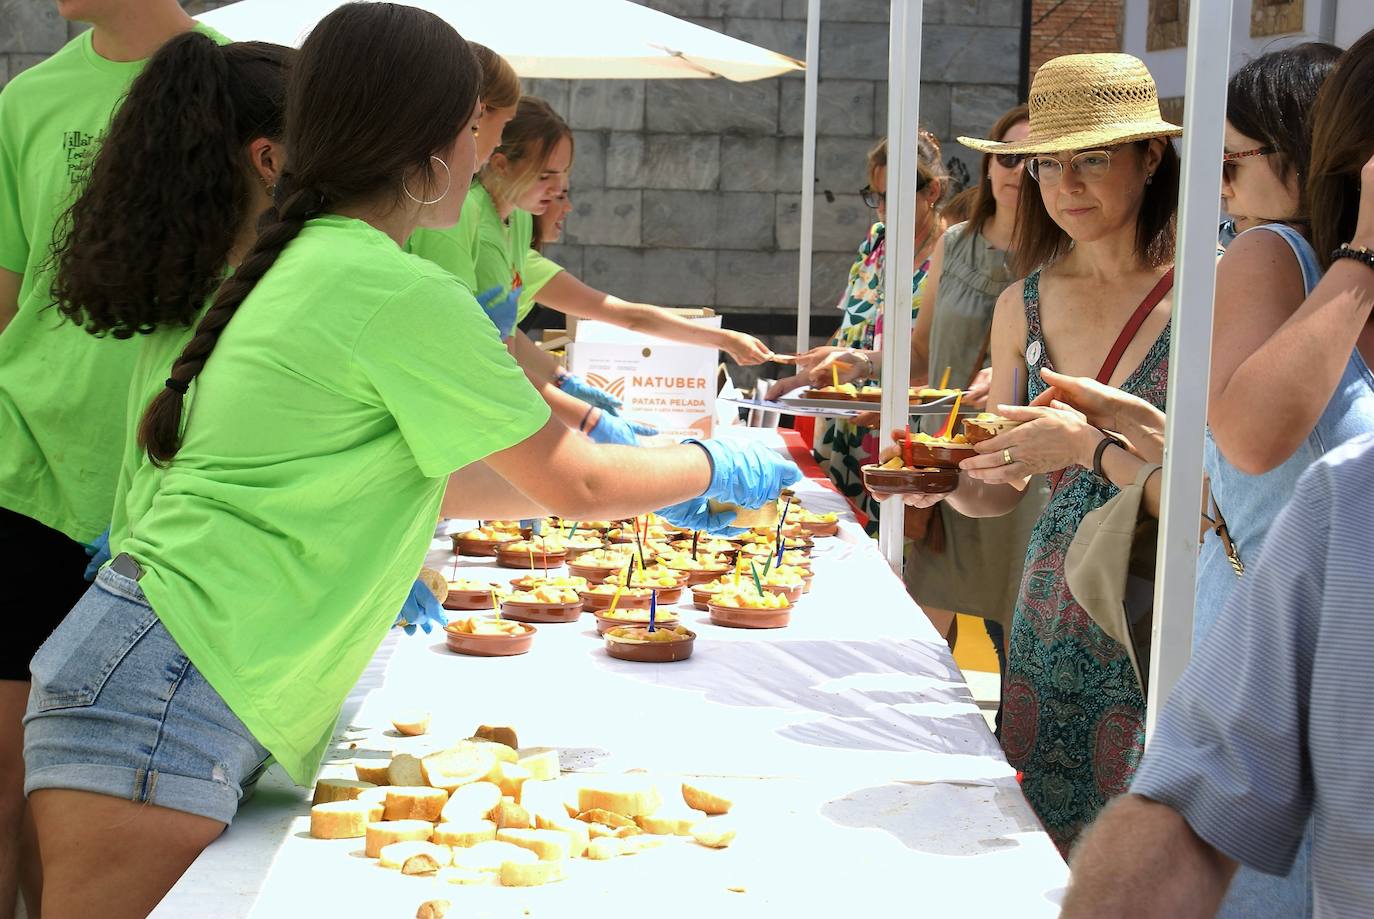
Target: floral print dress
x,y
842,448
1073,717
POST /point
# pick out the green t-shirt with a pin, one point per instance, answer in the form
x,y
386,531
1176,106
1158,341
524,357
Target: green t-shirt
x,y
62,391
284,536
502,245
454,249
138,478
538,272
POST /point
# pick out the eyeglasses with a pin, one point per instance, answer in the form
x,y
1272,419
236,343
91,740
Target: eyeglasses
x,y
1009,160
872,198
1228,160
1089,166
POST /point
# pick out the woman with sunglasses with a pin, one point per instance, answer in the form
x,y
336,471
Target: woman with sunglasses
x,y
842,447
1257,449
1095,235
974,565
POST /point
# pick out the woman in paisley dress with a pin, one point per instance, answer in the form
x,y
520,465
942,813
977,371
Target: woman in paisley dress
x,y
840,447
1095,239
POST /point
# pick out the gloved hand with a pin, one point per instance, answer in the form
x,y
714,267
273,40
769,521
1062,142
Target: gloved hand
x,y
746,473
501,308
696,515
421,608
574,385
612,429
99,551
536,525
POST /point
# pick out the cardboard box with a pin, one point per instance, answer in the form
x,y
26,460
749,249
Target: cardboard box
x,y
668,385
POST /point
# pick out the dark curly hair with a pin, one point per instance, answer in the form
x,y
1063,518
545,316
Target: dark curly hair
x,y
144,245
377,91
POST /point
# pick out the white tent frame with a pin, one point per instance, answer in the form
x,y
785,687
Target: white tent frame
x,y
1209,27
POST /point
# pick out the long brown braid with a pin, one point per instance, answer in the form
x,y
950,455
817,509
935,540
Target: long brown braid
x,y
377,91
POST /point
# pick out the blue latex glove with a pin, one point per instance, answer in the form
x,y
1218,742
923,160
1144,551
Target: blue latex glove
x,y
421,608
574,385
746,473
612,429
696,515
501,308
536,525
99,551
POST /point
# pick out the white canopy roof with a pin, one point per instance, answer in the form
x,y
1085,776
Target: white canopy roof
x,y
553,39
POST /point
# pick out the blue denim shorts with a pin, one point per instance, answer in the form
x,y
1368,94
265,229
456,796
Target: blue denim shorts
x,y
117,709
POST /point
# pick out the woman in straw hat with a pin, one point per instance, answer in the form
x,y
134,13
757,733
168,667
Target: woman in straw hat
x,y
1095,241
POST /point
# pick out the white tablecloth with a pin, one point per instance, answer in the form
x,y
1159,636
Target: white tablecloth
x,y
864,775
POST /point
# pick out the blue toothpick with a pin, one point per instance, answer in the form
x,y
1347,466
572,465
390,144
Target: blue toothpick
x,y
653,607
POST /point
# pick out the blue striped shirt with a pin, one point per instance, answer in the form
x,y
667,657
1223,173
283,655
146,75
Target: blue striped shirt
x,y
1269,724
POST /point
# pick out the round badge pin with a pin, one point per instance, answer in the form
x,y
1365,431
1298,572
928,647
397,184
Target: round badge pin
x,y
1034,352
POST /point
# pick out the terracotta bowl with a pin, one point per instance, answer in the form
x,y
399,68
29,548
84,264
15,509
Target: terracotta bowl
x,y
704,575
521,559
884,482
482,548
528,581
975,431
595,574
489,645
701,599
829,396
470,599
596,602
793,594
685,546
735,617
820,528
924,454
651,652
542,612
664,617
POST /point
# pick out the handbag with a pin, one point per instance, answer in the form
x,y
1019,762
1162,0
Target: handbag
x,y
1110,570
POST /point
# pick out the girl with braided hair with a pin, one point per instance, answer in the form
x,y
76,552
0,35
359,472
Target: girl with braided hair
x,y
339,383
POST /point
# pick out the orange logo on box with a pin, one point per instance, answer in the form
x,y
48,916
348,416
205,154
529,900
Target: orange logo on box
x,y
615,387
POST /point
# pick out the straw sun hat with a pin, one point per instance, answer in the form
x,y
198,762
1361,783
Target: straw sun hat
x,y
1082,101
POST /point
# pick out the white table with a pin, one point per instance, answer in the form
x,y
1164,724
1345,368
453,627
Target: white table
x,y
864,775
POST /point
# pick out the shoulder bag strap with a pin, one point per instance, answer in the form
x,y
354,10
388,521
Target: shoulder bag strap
x,y
1133,325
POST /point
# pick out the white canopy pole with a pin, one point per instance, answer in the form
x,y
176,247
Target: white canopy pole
x,y
903,119
808,189
1190,351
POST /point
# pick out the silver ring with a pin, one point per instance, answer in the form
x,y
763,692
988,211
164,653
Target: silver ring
x,y
1006,457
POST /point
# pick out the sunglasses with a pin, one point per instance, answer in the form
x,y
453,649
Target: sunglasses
x,y
1229,160
1089,166
1009,160
873,198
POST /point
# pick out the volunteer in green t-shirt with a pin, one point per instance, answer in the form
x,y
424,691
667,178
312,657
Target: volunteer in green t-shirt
x,y
524,176
62,392
339,384
548,229
455,247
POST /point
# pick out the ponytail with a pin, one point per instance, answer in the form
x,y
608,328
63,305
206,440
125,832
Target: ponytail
x,y
377,91
146,242
160,431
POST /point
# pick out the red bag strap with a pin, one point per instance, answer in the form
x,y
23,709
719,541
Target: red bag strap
x,y
1133,325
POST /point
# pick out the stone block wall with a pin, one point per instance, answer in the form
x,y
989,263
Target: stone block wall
x,y
687,193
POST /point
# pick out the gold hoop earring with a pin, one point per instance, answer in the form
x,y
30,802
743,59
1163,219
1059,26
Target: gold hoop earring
x,y
442,195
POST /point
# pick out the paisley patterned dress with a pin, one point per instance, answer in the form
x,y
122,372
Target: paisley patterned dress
x,y
842,448
1073,717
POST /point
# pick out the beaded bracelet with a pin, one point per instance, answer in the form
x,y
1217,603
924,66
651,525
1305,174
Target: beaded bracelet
x,y
1361,254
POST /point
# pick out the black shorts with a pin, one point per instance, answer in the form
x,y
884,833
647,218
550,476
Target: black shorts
x,y
45,570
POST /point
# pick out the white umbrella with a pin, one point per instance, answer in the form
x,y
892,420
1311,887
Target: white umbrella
x,y
550,39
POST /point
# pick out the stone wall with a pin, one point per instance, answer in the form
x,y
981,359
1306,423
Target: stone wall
x,y
688,192
1073,27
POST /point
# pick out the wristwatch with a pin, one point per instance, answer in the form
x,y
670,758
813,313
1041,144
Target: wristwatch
x,y
1108,439
866,359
